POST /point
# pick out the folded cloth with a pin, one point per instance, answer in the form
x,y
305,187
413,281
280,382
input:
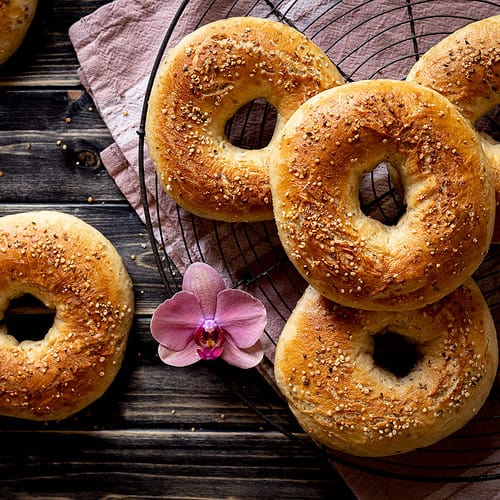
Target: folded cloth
x,y
117,46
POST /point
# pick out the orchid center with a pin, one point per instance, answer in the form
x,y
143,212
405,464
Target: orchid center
x,y
209,336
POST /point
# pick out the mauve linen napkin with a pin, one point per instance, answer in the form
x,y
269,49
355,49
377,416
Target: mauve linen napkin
x,y
116,47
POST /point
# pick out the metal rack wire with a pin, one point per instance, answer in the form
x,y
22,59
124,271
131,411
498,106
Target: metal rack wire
x,y
359,37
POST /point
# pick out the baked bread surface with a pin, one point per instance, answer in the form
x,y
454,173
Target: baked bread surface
x,y
200,85
351,258
465,68
325,368
74,270
15,19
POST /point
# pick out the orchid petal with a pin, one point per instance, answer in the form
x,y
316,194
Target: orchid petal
x,y
185,357
175,320
242,358
205,282
241,315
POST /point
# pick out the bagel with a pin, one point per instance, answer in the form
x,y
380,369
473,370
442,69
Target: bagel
x,y
355,260
15,19
465,68
73,269
200,85
325,367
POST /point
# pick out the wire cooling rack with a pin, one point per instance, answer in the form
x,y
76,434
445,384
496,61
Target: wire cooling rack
x,y
366,40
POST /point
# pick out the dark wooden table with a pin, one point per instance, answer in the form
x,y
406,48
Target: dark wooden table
x,y
159,432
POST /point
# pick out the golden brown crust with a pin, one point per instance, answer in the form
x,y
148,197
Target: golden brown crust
x,y
465,68
324,367
492,152
15,19
326,147
72,268
201,84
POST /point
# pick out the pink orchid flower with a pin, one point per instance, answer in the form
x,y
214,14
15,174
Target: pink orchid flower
x,y
206,321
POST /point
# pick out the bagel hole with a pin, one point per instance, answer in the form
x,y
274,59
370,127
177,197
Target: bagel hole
x,y
253,125
381,194
395,353
490,123
27,318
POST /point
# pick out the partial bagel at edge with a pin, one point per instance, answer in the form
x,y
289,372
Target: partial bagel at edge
x,y
465,68
74,270
15,19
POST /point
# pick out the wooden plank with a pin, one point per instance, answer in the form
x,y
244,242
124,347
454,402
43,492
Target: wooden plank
x,y
47,110
127,233
177,465
47,58
39,137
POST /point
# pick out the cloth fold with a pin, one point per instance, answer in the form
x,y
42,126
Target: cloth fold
x,y
117,46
